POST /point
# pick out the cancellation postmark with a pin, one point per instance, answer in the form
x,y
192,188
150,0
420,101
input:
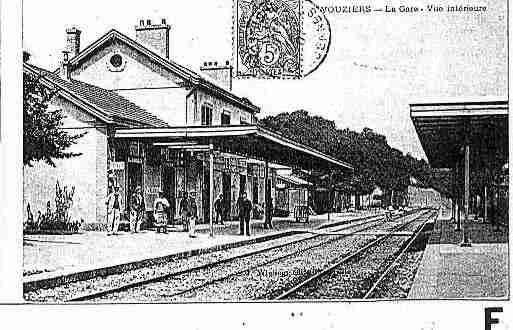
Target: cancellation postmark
x,y
285,39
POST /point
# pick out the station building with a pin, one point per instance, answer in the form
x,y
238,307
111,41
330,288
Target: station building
x,y
153,123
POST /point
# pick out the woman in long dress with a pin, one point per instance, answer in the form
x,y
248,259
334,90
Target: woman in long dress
x,y
160,206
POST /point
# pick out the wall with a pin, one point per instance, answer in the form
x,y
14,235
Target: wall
x,y
219,105
139,80
87,173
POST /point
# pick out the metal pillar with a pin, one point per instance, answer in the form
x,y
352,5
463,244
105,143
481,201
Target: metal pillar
x,y
458,201
485,204
329,194
454,198
266,177
466,234
453,214
211,187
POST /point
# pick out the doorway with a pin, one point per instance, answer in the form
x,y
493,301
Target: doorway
x,y
227,186
168,187
242,183
134,179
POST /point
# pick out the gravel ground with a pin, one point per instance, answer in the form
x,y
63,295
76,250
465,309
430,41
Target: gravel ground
x,y
166,290
249,279
397,284
353,279
71,290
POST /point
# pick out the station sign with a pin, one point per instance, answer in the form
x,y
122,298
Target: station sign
x,y
119,166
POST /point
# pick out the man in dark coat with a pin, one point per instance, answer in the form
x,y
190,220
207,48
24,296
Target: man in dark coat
x,y
219,208
137,210
245,207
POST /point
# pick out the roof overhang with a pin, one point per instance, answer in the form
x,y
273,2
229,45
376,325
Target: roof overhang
x,y
443,129
247,140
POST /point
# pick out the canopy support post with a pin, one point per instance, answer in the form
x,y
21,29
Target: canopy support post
x,y
485,204
466,233
266,202
211,187
458,198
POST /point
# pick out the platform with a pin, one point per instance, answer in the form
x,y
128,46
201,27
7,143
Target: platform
x,y
449,271
50,256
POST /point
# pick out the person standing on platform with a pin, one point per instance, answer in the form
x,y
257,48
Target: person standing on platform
x,y
219,208
268,214
114,206
184,211
193,215
240,201
245,208
160,207
137,210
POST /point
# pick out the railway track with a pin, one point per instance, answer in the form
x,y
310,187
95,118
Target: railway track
x,y
350,278
187,282
76,290
368,223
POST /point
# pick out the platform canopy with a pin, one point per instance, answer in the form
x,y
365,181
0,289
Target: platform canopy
x,y
250,141
443,129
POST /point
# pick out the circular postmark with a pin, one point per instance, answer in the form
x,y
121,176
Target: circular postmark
x,y
316,37
280,38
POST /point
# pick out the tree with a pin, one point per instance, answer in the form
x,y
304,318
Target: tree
x,y
375,162
43,137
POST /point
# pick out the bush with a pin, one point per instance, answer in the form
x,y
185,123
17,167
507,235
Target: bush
x,y
55,221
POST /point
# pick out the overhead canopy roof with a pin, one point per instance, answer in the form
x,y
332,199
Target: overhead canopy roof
x,y
247,140
441,130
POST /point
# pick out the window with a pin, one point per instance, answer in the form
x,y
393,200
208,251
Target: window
x,y
116,60
206,115
244,119
225,118
116,63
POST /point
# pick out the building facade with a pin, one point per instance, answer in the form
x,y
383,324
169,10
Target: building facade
x,y
134,84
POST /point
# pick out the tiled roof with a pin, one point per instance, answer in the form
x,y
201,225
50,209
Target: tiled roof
x,y
110,103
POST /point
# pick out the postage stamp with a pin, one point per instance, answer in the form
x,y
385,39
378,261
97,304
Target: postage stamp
x,y
278,39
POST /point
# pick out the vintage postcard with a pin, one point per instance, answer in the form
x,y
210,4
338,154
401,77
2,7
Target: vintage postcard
x,y
265,151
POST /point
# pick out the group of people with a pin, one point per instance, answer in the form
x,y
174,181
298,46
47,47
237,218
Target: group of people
x,y
188,211
114,204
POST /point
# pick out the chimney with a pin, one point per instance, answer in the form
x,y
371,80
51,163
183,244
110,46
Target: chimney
x,y
73,41
154,36
65,72
221,73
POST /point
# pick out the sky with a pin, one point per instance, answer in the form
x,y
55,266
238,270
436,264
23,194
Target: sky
x,y
377,65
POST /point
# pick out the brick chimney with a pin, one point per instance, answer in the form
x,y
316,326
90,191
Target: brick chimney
x,y
154,36
221,73
73,41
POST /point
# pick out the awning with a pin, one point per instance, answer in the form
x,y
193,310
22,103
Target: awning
x,y
294,180
441,129
250,141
